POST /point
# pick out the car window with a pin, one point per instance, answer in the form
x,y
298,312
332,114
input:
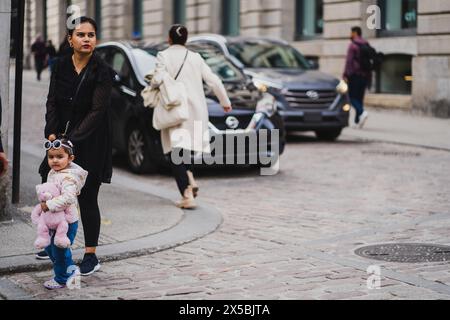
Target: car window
x,y
121,66
222,67
210,44
266,54
213,57
218,63
102,53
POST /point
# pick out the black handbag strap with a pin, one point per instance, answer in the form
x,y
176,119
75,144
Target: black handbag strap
x,y
74,98
181,68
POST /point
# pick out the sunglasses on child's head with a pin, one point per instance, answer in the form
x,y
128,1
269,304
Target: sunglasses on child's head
x,y
57,144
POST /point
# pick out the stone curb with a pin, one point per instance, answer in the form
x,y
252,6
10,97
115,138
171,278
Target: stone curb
x,y
194,225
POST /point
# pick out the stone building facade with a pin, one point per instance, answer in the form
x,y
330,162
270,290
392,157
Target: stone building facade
x,y
413,34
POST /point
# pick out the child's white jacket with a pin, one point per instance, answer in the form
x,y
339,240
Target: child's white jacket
x,y
70,181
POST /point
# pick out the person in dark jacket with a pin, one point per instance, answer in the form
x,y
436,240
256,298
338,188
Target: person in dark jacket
x,y
78,104
40,56
358,79
51,55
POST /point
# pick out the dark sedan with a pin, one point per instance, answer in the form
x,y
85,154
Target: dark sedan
x,y
309,100
134,135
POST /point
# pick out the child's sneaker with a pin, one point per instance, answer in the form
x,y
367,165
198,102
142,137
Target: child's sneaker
x,y
53,285
42,255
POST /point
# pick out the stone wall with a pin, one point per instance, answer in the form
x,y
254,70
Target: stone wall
x,y
276,18
431,67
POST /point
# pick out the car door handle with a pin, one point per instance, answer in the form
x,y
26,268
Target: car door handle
x,y
128,91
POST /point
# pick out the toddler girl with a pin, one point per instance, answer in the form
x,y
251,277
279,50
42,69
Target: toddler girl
x,y
70,178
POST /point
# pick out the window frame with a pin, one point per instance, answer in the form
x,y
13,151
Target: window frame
x,y
98,17
228,27
138,19
179,12
299,23
44,16
378,78
130,81
383,33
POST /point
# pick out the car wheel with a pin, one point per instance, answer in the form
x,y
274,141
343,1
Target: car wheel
x,y
139,151
329,135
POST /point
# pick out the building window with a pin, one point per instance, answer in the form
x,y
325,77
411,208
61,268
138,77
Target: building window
x,y
398,17
137,19
179,12
309,19
44,17
13,34
98,17
395,75
231,17
67,4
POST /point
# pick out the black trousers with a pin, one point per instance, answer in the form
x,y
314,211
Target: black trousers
x,y
40,66
89,211
179,171
356,89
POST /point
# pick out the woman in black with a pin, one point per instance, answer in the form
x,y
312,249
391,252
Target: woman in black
x,y
78,103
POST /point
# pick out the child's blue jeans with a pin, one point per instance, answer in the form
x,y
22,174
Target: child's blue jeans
x,y
62,258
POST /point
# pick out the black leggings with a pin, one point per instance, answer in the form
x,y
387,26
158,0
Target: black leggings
x,y
179,171
90,212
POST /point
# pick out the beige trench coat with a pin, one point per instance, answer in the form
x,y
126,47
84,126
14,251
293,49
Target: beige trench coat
x,y
194,133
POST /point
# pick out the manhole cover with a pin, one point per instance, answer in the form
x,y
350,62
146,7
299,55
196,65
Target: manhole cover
x,y
406,252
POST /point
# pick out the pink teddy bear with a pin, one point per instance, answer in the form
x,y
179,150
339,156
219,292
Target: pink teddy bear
x,y
46,221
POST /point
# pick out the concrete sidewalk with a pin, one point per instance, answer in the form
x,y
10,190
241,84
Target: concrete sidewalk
x,y
135,221
401,127
137,216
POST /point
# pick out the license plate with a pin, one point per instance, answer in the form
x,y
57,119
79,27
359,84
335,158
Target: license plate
x,y
312,117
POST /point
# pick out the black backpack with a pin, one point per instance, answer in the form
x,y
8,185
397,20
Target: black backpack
x,y
370,60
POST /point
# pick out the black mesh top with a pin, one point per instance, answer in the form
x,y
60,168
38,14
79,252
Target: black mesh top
x,y
87,114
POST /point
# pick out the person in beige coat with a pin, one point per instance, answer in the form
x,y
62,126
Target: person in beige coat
x,y
193,134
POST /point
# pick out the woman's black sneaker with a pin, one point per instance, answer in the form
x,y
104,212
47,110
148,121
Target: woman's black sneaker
x,y
89,264
42,255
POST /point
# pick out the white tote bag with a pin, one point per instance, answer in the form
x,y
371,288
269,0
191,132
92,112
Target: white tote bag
x,y
173,109
165,116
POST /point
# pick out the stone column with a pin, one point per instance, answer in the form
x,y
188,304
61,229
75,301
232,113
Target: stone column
x,y
431,68
5,25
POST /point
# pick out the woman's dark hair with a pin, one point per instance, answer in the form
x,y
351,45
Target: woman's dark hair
x,y
357,30
178,34
80,21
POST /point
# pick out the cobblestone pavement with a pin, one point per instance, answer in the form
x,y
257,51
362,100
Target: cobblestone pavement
x,y
293,235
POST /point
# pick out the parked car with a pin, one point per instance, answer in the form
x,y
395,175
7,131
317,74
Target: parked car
x,y
134,134
309,100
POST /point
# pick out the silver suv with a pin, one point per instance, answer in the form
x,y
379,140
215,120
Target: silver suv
x,y
308,100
